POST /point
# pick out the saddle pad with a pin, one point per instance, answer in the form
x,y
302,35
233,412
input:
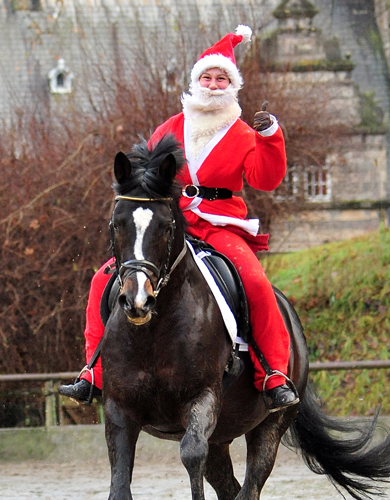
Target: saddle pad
x,y
227,315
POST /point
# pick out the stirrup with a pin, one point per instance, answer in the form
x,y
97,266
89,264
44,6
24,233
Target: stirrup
x,y
78,378
289,382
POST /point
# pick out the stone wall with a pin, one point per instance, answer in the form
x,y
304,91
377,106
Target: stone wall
x,y
313,228
360,172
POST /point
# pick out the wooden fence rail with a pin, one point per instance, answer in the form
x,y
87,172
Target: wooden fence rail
x,y
50,379
314,367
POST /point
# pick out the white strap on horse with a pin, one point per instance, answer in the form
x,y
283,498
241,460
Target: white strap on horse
x,y
227,315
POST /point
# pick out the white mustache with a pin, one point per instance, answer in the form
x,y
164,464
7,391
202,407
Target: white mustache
x,y
204,99
212,92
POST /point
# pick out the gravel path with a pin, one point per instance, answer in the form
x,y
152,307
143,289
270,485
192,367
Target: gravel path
x,y
158,474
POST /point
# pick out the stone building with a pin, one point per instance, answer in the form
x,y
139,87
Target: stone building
x,y
54,53
332,50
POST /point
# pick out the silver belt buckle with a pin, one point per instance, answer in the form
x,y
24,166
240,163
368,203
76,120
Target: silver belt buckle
x,y
184,191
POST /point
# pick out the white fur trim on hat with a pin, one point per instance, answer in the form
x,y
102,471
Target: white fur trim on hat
x,y
217,61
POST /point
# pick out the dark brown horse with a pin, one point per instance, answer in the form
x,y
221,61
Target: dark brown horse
x,y
166,349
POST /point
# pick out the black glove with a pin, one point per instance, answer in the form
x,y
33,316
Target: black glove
x,y
262,119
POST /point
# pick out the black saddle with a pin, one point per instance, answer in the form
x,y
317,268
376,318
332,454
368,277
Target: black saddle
x,y
225,275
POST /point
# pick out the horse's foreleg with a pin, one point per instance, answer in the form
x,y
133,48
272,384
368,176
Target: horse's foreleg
x,y
262,446
199,420
219,472
121,437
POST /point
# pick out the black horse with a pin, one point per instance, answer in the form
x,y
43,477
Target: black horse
x,y
165,351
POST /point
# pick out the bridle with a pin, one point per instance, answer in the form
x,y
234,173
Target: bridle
x,y
157,277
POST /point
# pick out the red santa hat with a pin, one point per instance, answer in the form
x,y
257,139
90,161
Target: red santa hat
x,y
221,55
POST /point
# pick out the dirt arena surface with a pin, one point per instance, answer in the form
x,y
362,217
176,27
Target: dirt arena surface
x,y
158,474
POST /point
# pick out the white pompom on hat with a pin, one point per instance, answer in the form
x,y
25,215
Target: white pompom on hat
x,y
221,55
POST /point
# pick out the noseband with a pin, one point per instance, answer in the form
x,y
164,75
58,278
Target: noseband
x,y
158,277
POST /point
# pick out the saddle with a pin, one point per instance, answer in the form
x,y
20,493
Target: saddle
x,y
225,275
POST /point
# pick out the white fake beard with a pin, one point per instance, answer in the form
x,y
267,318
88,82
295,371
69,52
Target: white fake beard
x,y
202,99
208,111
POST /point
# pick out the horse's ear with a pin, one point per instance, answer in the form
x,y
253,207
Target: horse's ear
x,y
122,167
168,168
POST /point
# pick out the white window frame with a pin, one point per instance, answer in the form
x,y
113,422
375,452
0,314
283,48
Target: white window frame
x,y
60,74
318,183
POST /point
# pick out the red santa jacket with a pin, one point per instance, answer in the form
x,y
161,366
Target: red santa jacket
x,y
241,151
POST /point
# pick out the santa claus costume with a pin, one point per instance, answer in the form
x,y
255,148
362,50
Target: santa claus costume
x,y
220,149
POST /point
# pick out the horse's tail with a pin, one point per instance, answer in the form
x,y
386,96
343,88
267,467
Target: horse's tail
x,y
340,449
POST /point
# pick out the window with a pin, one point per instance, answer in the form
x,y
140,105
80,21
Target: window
x,y
318,183
60,79
289,186
313,183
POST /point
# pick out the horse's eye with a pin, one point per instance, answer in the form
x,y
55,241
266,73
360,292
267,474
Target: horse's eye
x,y
168,230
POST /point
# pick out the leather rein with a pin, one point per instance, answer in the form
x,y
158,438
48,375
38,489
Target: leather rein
x,y
158,277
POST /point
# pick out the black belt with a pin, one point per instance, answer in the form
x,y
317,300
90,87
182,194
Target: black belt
x,y
210,194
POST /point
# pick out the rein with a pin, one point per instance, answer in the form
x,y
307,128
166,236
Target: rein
x,y
158,278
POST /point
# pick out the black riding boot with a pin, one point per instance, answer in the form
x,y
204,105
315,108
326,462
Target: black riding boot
x,y
82,391
281,397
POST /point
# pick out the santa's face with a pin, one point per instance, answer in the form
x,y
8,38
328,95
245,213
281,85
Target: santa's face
x,y
212,92
214,79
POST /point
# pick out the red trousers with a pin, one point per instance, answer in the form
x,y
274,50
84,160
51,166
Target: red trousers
x,y
268,328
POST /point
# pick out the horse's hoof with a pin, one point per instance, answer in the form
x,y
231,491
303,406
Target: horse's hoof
x,y
281,397
82,391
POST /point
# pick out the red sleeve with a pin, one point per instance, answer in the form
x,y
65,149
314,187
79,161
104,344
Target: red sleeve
x,y
265,166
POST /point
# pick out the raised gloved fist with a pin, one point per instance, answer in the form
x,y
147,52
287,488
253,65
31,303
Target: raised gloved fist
x,y
262,119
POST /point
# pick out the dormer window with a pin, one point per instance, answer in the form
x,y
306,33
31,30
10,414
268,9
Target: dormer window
x,y
60,79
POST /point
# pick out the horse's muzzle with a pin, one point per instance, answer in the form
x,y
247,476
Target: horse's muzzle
x,y
138,310
140,321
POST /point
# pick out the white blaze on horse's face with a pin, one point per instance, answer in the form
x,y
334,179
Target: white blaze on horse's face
x,y
142,218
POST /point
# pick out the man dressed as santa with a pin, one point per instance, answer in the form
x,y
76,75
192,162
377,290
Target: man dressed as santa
x,y
220,149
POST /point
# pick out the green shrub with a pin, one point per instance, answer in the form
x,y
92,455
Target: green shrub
x,y
341,292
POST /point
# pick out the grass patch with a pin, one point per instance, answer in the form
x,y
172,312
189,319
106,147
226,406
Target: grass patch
x,y
341,292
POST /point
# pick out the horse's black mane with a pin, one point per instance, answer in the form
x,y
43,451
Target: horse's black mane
x,y
146,162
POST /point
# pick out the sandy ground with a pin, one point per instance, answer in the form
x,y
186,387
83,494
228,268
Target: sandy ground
x,y
158,474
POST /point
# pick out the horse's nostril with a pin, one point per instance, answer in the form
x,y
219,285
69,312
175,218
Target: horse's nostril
x,y
150,303
123,302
